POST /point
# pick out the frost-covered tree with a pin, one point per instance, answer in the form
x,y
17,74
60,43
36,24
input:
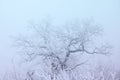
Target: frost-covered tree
x,y
57,50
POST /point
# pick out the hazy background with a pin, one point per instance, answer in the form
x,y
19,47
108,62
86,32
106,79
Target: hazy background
x,y
17,15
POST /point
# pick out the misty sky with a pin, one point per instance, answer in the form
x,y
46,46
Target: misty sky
x,y
16,15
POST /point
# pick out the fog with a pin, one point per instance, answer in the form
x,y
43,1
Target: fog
x,y
17,15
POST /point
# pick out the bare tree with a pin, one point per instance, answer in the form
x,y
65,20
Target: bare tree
x,y
57,46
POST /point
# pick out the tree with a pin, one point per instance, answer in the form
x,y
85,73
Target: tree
x,y
56,48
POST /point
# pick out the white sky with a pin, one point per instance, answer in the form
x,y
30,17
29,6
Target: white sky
x,y
15,15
